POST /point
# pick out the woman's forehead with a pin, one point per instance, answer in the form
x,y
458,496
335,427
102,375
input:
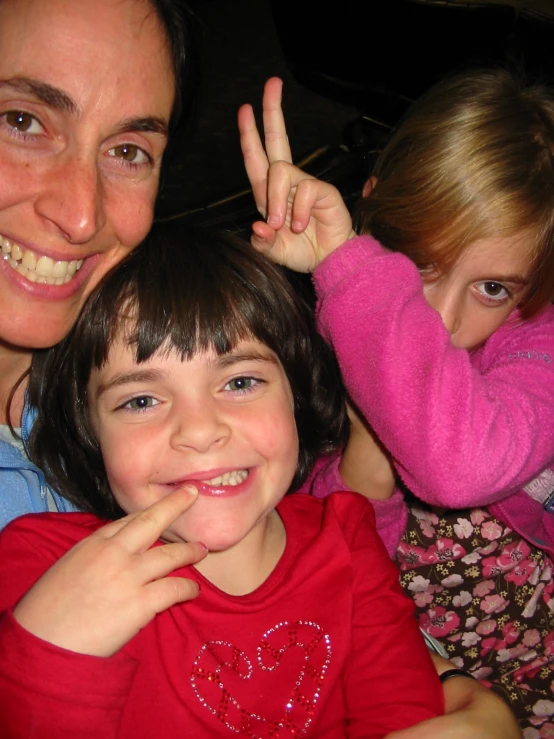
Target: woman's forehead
x,y
106,52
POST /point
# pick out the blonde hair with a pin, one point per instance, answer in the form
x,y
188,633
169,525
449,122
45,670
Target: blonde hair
x,y
473,159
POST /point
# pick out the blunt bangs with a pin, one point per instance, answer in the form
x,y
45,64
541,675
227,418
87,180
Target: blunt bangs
x,y
186,292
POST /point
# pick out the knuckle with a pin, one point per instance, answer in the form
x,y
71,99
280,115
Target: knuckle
x,y
149,518
174,552
184,589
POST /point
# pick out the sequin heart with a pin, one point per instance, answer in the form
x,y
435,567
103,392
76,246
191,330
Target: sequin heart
x,y
274,694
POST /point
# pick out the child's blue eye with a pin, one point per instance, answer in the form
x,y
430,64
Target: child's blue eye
x,y
140,403
241,384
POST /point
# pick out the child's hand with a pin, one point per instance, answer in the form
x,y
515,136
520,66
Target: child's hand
x,y
306,219
481,715
110,585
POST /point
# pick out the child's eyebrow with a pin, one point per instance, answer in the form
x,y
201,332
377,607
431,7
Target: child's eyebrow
x,y
153,375
226,360
125,378
515,279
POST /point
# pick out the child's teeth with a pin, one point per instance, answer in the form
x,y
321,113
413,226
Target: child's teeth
x,y
229,478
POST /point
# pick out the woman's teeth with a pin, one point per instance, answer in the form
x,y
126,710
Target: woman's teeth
x,y
43,270
229,478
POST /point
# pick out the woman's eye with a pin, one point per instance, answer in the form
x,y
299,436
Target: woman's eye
x,y
240,384
130,153
23,122
140,403
494,291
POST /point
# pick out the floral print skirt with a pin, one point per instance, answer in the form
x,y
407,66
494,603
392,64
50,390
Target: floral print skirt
x,y
488,596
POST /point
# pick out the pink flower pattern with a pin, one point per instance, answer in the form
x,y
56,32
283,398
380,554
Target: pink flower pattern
x,y
488,595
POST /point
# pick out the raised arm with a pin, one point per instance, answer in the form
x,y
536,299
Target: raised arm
x,y
305,218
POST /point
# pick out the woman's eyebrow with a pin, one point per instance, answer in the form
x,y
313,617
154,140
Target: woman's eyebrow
x,y
147,124
60,100
44,92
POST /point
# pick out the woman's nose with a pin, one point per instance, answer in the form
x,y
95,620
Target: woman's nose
x,y
200,427
72,198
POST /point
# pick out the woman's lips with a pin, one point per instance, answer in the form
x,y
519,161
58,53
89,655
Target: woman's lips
x,y
35,268
46,290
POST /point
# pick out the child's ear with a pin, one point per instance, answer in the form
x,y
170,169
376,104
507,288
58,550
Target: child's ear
x,y
369,185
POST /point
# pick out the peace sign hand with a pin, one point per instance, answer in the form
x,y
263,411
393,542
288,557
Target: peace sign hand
x,y
306,219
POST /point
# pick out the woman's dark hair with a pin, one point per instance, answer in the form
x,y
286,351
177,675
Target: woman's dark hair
x,y
186,292
183,35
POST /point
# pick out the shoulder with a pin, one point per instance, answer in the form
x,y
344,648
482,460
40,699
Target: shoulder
x,y
345,510
522,345
517,332
31,544
48,531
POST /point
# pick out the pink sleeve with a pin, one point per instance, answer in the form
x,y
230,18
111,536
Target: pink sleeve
x,y
459,435
390,680
391,514
46,691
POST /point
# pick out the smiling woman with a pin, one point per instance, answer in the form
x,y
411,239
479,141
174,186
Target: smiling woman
x,y
88,95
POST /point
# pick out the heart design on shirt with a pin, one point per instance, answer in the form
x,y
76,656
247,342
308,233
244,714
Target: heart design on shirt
x,y
273,693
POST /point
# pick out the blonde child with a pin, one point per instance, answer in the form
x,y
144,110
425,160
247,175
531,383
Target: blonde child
x,y
195,371
444,330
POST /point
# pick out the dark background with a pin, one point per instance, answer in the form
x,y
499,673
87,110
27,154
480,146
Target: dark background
x,y
350,70
241,50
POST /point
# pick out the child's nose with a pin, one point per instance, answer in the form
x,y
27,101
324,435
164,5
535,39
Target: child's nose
x,y
447,304
199,427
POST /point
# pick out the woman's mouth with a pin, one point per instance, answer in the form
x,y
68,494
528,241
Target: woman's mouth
x,y
43,270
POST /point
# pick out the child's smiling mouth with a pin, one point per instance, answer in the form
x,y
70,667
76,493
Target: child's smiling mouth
x,y
221,485
235,477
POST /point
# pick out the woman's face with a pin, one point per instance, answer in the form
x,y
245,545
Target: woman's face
x,y
86,92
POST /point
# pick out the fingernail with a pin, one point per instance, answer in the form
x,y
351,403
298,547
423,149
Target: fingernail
x,y
273,219
203,545
191,490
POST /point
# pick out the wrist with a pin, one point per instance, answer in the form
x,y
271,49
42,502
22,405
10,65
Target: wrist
x,y
454,672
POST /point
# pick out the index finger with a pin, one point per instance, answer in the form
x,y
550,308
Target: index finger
x,y
253,153
275,131
145,527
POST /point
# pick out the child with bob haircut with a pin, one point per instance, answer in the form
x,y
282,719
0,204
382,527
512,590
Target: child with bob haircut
x,y
192,395
441,317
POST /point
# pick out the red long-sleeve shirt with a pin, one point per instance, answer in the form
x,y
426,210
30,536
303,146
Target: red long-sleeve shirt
x,y
327,647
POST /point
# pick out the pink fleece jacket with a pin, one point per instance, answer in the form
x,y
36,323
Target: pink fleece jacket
x,y
464,428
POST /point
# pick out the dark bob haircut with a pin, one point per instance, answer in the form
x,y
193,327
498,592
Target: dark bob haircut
x,y
184,292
